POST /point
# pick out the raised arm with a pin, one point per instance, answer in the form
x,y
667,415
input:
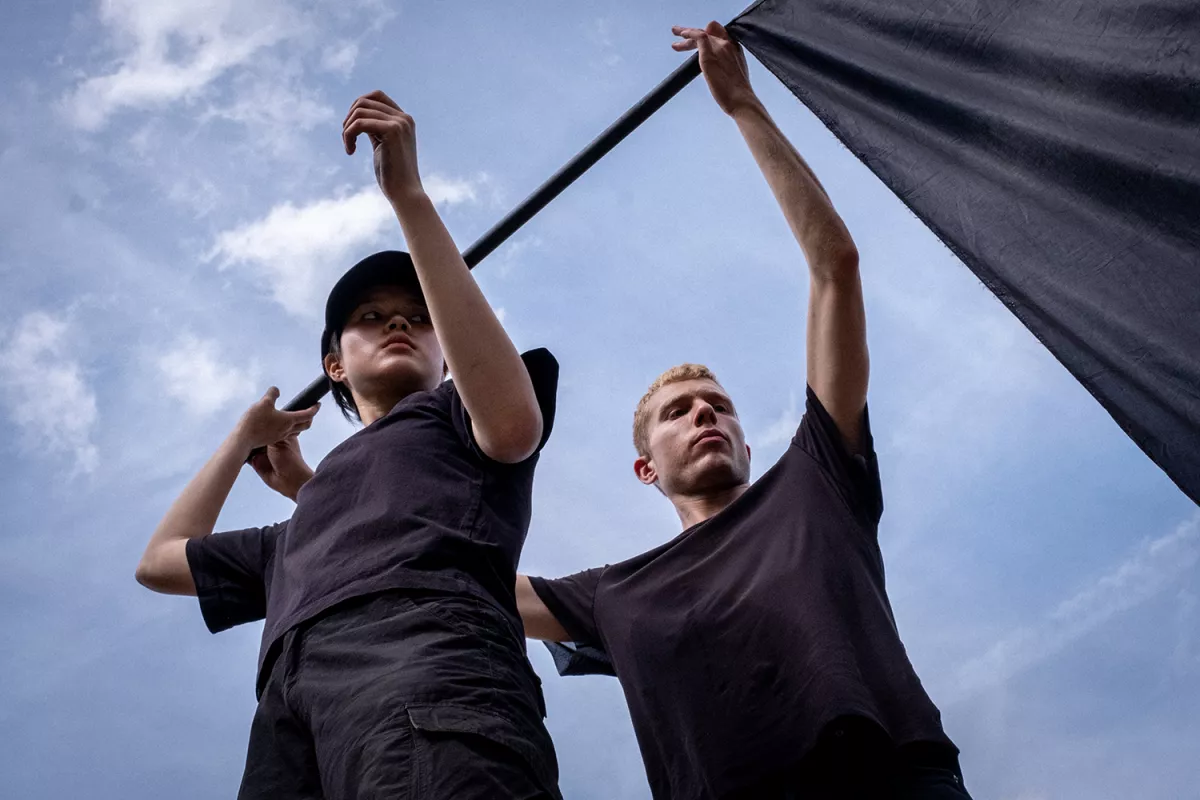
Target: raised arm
x,y
838,365
539,621
164,567
488,372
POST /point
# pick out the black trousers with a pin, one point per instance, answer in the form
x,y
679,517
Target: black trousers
x,y
401,696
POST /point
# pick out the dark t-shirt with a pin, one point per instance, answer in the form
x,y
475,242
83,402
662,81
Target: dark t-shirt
x,y
408,502
740,639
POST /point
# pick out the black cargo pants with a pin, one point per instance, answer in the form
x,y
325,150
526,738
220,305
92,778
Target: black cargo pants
x,y
401,695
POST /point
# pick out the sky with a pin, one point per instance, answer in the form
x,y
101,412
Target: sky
x,y
174,204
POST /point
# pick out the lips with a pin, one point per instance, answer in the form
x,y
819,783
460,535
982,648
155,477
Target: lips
x,y
710,435
398,338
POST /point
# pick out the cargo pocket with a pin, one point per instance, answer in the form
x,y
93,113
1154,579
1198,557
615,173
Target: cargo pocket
x,y
467,752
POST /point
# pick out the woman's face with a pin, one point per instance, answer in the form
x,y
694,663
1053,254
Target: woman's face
x,y
388,347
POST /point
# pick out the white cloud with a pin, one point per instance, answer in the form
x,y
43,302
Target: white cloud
x,y
197,373
340,58
171,51
1184,657
196,193
600,33
452,191
1154,567
297,251
273,107
48,396
783,429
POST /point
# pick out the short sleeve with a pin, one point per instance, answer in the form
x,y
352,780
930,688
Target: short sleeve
x,y
855,476
572,601
543,373
229,570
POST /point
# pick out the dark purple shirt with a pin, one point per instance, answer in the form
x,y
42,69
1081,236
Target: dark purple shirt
x,y
741,638
408,502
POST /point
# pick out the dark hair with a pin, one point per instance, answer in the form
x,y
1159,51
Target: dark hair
x,y
341,392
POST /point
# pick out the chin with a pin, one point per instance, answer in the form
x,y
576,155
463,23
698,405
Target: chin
x,y
407,373
714,476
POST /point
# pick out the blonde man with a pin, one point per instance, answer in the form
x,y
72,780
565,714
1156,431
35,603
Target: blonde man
x,y
757,649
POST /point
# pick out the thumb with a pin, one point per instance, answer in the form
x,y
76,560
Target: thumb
x,y
271,396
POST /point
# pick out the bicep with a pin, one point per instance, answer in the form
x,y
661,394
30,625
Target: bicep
x,y
838,364
165,569
539,621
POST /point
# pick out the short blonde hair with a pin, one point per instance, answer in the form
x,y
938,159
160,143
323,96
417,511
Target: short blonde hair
x,y
641,415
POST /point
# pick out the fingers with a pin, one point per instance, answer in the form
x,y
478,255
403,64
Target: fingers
x,y
300,421
376,105
304,414
382,98
688,33
360,114
374,127
272,395
694,38
298,427
691,38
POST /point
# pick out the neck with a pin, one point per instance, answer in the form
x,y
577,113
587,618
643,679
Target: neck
x,y
378,404
693,509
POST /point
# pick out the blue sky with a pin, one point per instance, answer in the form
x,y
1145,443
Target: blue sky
x,y
174,202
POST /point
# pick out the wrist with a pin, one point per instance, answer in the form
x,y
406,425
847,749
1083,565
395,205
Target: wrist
x,y
409,200
239,442
749,109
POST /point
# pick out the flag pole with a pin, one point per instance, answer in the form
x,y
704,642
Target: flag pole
x,y
552,188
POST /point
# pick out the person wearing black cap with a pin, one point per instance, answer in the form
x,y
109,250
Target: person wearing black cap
x,y
393,660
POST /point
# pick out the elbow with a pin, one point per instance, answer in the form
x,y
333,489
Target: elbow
x,y
837,265
148,574
517,440
144,574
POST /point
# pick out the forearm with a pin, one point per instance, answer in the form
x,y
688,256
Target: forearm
x,y
823,237
488,371
194,513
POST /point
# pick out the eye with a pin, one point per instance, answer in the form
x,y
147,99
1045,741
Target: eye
x,y
418,319
370,316
675,413
721,408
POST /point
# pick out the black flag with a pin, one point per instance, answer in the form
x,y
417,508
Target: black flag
x,y
1054,146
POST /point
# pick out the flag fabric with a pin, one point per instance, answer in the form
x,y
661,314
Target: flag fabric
x,y
1054,147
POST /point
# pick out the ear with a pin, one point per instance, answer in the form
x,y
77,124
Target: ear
x,y
644,469
747,454
333,368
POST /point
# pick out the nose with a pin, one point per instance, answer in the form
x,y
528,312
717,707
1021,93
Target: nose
x,y
705,414
398,321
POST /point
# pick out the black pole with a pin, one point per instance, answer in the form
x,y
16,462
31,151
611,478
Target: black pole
x,y
549,190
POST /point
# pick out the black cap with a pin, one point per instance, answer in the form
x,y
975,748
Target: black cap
x,y
386,268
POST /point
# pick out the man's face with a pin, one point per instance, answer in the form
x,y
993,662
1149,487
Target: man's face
x,y
696,441
388,345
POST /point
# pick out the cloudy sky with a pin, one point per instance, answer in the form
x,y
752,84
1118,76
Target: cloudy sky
x,y
174,203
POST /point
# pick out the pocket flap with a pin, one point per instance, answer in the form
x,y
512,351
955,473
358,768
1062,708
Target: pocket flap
x,y
533,746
